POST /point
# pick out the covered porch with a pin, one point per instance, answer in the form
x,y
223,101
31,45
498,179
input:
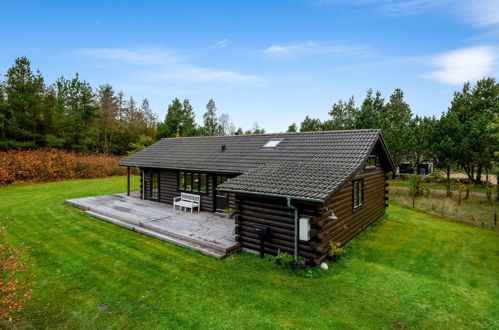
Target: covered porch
x,y
205,232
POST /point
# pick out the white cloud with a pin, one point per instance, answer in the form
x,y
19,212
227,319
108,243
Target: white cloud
x,y
137,56
201,75
477,12
161,65
223,43
481,12
463,65
311,48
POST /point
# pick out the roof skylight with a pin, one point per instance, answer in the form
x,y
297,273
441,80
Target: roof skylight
x,y
272,143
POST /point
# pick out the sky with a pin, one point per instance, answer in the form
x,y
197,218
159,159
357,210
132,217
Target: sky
x,y
271,62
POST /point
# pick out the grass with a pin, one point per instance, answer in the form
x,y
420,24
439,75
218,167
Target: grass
x,y
477,211
408,270
441,186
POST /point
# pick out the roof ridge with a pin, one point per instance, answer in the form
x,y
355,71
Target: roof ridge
x,y
377,130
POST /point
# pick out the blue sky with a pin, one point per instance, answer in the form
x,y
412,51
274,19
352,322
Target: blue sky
x,y
267,61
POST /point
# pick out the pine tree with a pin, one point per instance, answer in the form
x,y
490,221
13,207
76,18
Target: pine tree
x,y
395,119
76,102
108,103
24,93
210,120
150,118
369,115
343,116
475,107
179,116
311,125
292,128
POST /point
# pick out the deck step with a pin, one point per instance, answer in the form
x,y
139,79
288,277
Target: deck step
x,y
161,230
174,239
149,225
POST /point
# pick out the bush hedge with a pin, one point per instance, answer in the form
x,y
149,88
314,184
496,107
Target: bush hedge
x,y
52,165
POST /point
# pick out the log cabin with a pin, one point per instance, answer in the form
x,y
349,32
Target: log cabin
x,y
303,189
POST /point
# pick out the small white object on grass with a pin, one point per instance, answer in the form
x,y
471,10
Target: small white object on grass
x,y
324,266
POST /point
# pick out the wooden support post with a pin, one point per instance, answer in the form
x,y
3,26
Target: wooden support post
x,y
128,180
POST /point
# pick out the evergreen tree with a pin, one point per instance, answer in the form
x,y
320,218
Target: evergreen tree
x,y
75,99
107,126
188,127
395,119
475,107
310,125
421,137
4,107
210,120
447,143
23,101
150,118
292,128
343,116
369,115
179,116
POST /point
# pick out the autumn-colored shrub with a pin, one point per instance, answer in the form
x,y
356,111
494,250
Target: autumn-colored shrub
x,y
16,278
53,165
5,177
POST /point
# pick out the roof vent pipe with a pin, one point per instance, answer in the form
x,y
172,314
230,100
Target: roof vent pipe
x,y
223,148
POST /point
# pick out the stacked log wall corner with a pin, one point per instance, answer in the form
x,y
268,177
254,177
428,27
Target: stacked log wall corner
x,y
274,213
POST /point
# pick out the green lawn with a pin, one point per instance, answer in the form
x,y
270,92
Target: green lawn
x,y
408,270
441,186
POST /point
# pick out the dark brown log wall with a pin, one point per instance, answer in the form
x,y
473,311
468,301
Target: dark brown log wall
x,y
274,213
168,189
351,222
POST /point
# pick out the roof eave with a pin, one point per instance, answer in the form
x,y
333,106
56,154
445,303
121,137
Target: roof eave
x,y
306,199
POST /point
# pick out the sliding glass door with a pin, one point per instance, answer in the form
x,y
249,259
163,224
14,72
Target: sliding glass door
x,y
154,184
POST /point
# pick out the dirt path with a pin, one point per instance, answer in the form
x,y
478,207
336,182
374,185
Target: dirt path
x,y
443,192
492,178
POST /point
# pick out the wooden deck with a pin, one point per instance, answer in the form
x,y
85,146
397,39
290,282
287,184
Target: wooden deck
x,y
205,232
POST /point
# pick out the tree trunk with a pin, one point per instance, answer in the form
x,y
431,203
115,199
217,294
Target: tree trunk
x,y
489,185
479,174
448,181
497,187
468,171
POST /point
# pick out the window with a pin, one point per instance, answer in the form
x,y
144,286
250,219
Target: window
x,y
154,185
221,179
272,143
196,182
371,162
358,194
204,183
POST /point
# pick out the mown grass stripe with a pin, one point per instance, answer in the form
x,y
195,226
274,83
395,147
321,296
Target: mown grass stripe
x,y
408,269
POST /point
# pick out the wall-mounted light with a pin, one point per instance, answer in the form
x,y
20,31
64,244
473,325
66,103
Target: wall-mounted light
x,y
333,217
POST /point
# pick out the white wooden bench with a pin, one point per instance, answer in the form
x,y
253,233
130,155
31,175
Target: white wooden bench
x,y
186,200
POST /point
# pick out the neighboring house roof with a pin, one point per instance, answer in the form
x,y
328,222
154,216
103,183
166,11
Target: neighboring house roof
x,y
307,165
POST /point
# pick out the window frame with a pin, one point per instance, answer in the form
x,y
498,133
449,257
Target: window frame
x,y
357,188
152,174
367,166
183,184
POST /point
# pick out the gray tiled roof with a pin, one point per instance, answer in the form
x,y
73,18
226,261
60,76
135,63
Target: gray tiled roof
x,y
307,165
304,180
